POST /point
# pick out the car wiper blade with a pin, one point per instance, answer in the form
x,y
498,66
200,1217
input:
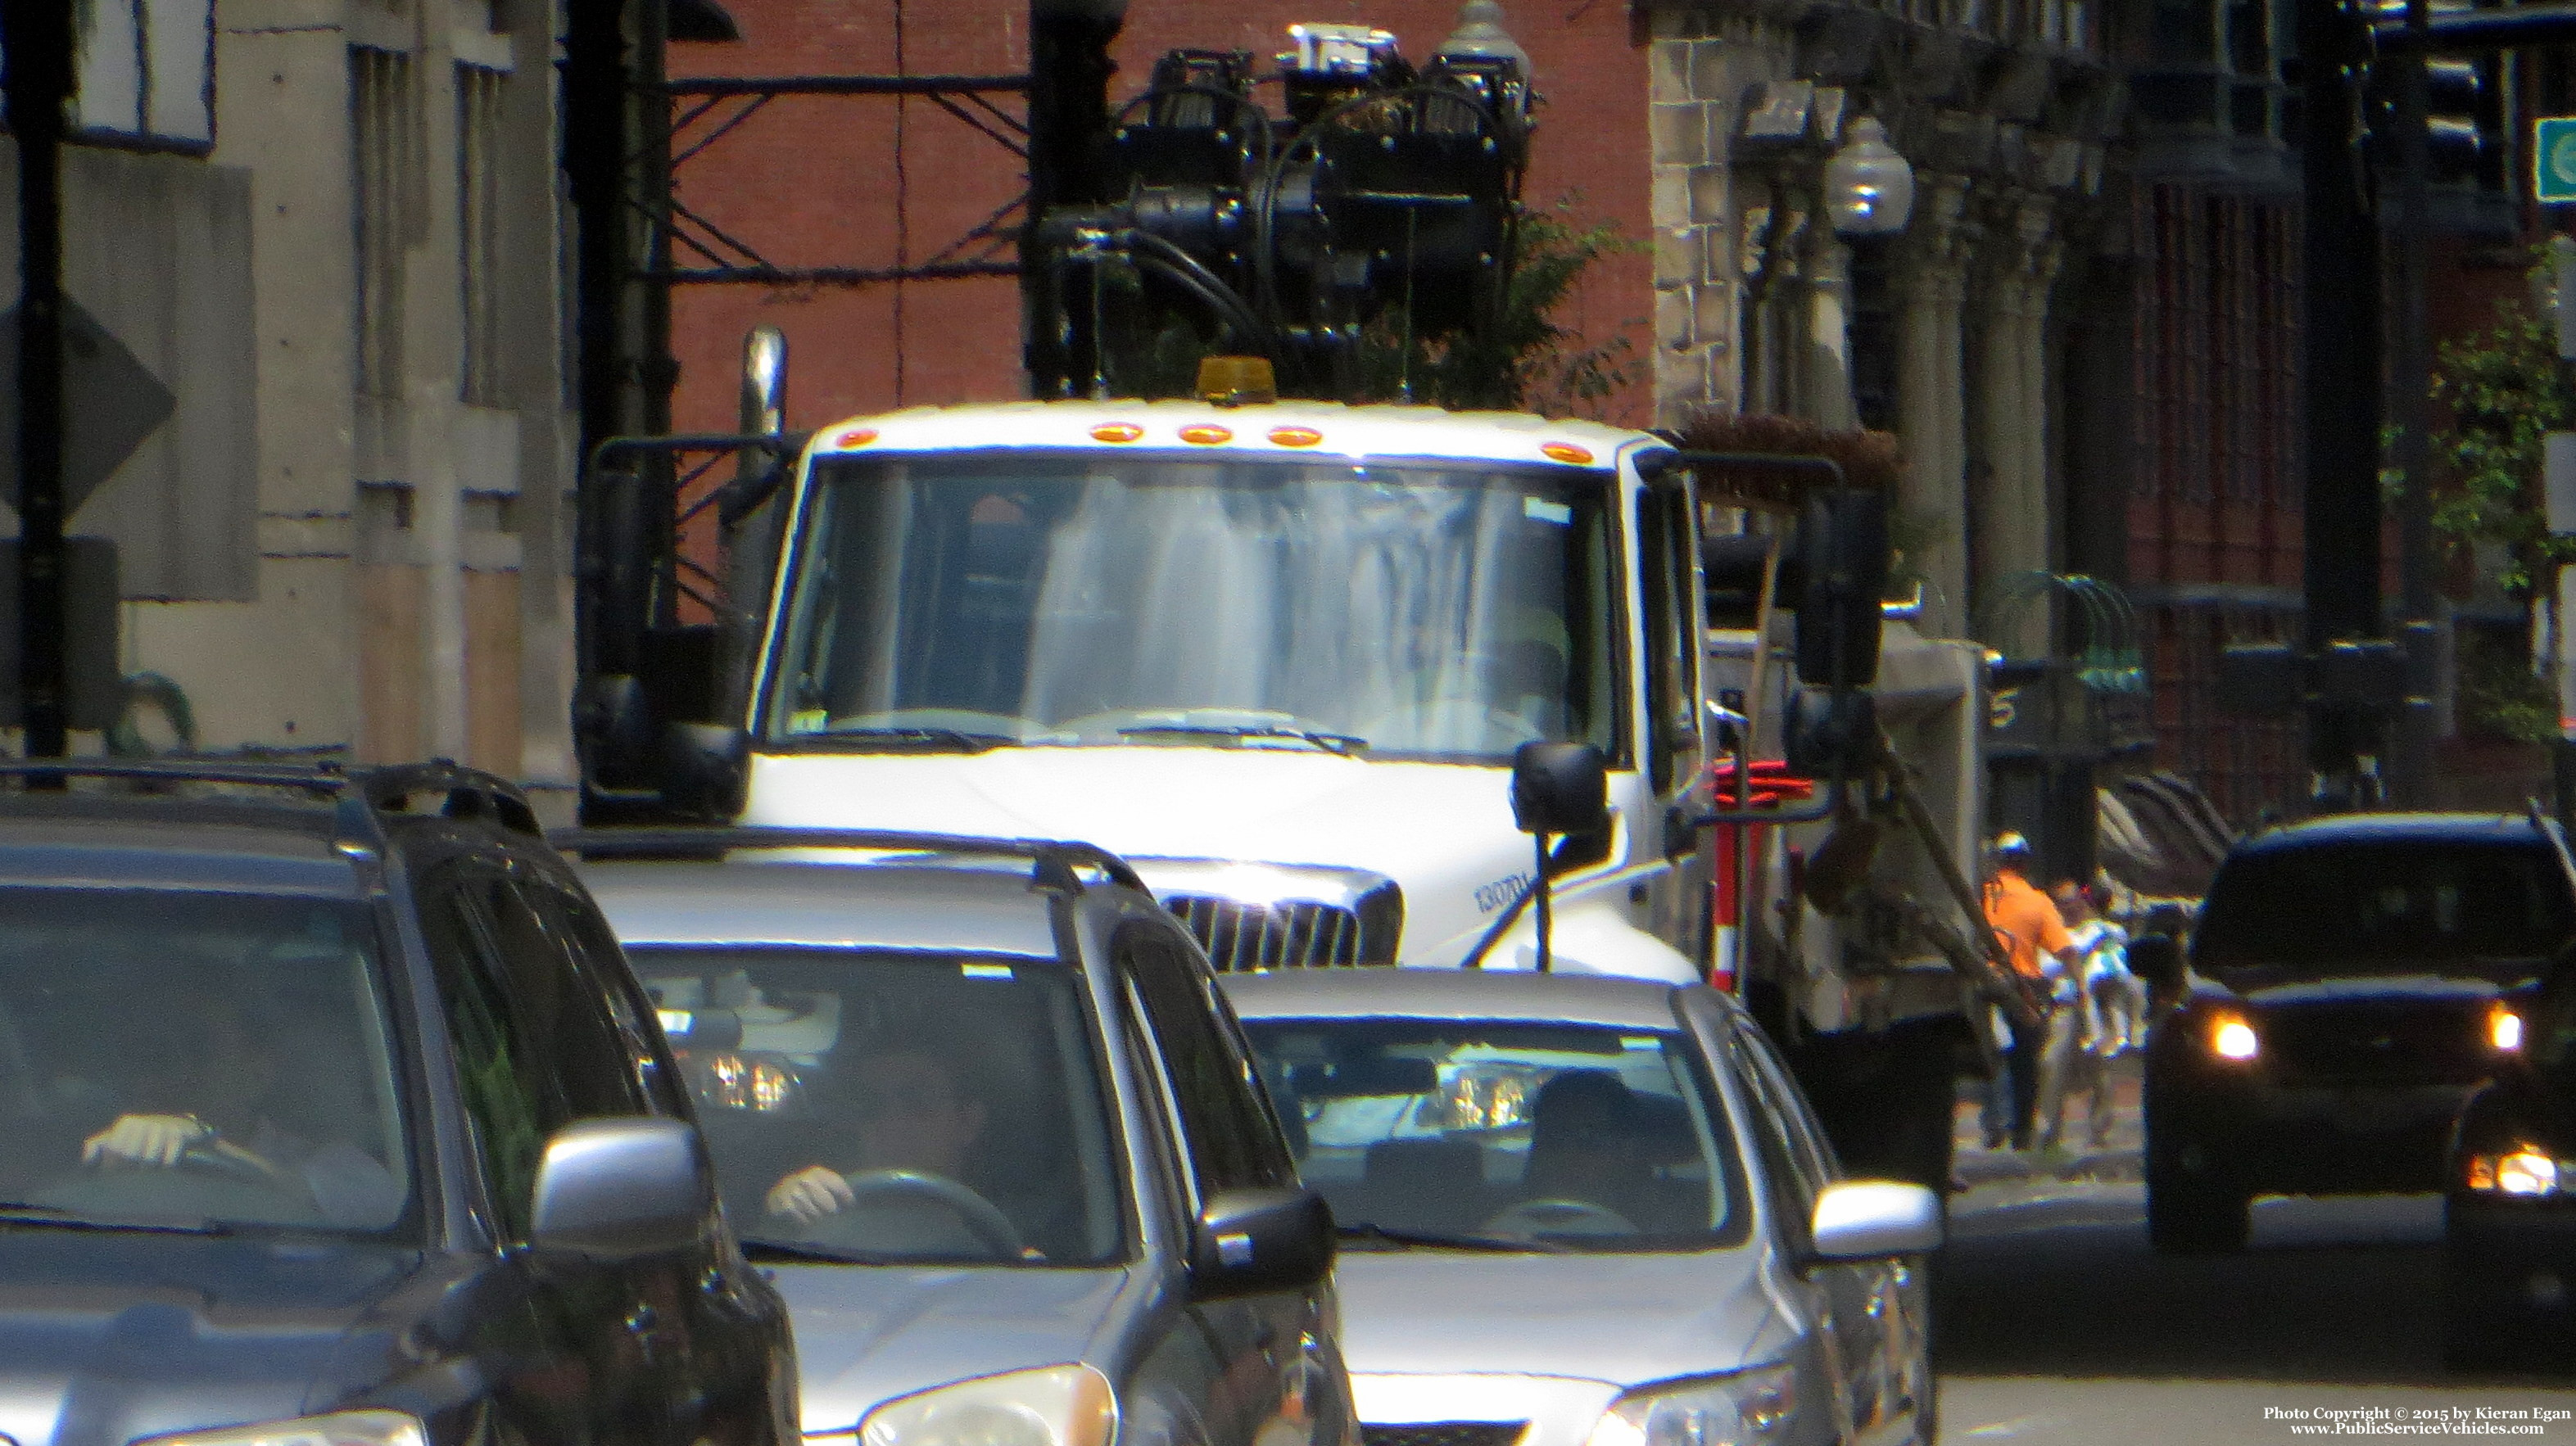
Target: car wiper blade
x,y
1436,1240
943,739
46,1217
1342,743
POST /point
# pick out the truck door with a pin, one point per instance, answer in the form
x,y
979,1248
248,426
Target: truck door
x,y
1676,743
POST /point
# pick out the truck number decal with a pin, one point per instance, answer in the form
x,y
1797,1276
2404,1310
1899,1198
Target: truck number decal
x,y
1500,892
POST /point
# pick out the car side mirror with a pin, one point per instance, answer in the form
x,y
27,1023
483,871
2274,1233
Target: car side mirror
x,y
2157,961
621,1189
1875,1220
1560,788
1260,1241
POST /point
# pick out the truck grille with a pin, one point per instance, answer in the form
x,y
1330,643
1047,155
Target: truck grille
x,y
2378,1042
1240,936
1445,1433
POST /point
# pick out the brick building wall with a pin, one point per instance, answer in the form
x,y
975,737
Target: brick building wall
x,y
814,181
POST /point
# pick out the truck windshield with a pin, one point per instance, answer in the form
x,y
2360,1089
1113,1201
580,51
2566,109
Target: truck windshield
x,y
1436,609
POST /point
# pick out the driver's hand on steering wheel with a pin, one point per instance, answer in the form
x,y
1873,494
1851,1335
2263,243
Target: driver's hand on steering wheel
x,y
810,1194
145,1140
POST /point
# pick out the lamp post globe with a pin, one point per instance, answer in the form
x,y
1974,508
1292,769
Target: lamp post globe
x,y
1869,188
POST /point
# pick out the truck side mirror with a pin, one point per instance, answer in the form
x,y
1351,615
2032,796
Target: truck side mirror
x,y
1827,733
1560,788
1842,575
705,770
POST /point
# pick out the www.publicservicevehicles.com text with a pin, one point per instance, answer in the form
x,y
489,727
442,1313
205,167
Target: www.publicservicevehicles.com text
x,y
2417,1420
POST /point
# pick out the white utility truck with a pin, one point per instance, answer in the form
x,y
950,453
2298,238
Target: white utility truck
x,y
1281,655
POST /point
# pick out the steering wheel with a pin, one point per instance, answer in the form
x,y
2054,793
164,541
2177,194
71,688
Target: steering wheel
x,y
1421,721
204,1159
982,1219
1532,1218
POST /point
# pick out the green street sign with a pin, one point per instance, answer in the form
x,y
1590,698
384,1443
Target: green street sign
x,y
2553,160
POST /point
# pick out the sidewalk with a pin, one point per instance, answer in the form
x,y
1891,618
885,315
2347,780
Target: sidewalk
x,y
2076,1159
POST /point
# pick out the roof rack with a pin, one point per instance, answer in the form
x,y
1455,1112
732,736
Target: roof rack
x,y
463,793
1055,859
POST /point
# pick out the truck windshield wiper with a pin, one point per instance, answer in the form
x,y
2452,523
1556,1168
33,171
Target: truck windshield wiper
x,y
943,740
1344,744
1435,1240
46,1217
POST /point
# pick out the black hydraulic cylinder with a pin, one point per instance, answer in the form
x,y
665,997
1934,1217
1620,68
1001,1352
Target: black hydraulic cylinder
x,y
38,81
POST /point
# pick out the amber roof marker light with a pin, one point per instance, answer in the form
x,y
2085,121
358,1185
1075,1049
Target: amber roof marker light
x,y
1237,381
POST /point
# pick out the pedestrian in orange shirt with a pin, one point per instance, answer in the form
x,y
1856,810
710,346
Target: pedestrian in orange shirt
x,y
2036,942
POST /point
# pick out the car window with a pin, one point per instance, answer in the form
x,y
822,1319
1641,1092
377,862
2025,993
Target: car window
x,y
534,1048
1793,1153
250,1029
1228,1133
1570,1135
888,1104
595,956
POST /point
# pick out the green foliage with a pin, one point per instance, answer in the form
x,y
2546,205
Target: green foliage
x,y
2499,694
1526,364
2504,393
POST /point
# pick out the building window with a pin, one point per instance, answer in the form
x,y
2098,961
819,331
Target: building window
x,y
146,71
478,184
384,155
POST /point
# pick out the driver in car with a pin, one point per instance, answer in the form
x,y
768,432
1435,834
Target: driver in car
x,y
908,1113
214,1099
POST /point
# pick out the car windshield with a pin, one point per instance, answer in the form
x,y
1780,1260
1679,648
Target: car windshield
x,y
880,1106
1506,1134
1447,610
2396,906
196,1058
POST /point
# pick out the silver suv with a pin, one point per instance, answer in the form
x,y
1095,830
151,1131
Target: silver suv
x,y
979,1106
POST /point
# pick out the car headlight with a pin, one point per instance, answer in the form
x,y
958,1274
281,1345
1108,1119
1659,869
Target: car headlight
x,y
1054,1406
2523,1170
2232,1037
2504,1030
1734,1410
340,1428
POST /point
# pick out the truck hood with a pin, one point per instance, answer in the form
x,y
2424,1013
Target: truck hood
x,y
866,1334
1147,801
105,1337
1442,832
1622,1320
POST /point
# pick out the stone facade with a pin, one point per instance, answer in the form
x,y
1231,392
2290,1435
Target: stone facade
x,y
2003,110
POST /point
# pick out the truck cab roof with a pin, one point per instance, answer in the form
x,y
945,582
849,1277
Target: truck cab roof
x,y
1269,429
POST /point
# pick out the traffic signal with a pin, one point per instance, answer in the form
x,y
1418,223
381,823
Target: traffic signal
x,y
2464,120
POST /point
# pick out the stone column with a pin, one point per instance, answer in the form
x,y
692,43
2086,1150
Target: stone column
x,y
1826,393
2010,501
1932,288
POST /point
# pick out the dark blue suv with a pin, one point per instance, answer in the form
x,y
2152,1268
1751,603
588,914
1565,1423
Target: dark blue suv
x,y
330,1115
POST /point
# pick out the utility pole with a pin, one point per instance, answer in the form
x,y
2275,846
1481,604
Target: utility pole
x,y
38,85
2411,384
2342,385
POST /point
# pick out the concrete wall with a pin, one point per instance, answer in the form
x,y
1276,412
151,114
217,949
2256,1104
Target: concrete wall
x,y
391,581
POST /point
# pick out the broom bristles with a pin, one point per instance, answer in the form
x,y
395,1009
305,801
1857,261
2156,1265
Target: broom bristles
x,y
1870,460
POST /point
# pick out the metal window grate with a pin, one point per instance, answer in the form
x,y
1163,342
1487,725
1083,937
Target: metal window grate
x,y
479,159
386,209
1446,1433
1240,936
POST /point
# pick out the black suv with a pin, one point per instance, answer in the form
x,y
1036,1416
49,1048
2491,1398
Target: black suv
x,y
330,1114
2352,979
